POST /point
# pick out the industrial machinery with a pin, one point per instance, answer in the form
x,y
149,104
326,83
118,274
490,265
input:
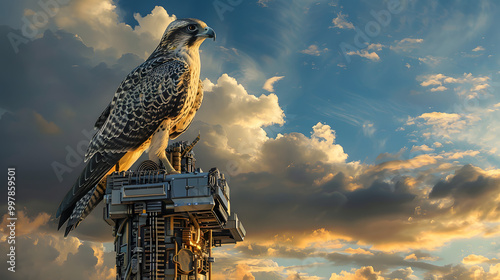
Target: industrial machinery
x,y
166,225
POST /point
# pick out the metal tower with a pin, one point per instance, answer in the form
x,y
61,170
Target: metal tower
x,y
166,225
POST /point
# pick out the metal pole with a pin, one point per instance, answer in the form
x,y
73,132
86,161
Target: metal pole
x,y
210,254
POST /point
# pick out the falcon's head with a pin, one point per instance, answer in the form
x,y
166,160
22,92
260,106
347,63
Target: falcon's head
x,y
185,33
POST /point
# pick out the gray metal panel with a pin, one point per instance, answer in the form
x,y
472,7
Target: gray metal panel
x,y
118,211
193,204
236,228
179,187
223,200
197,190
116,197
148,192
223,215
143,190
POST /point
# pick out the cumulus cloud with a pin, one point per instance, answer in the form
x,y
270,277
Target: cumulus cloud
x,y
373,56
235,134
419,255
387,212
467,85
364,273
235,106
406,44
437,145
410,41
358,251
236,267
314,50
421,148
377,47
439,88
98,25
268,85
154,23
470,272
472,124
471,190
341,22
402,274
443,124
25,225
477,259
51,256
478,49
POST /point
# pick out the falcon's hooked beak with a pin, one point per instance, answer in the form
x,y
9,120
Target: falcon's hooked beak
x,y
207,33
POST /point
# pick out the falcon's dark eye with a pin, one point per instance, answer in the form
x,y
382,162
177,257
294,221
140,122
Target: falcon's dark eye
x,y
191,27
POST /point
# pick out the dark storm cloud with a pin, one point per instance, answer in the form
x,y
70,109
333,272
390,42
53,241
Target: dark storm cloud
x,y
267,202
53,95
461,272
278,250
401,274
471,190
36,258
379,260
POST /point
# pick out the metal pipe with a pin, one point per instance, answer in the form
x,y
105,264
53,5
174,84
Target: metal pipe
x,y
120,228
210,254
175,263
128,271
156,246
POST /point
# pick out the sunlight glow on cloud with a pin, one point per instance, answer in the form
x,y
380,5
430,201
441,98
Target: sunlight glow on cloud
x,y
373,56
45,126
314,50
55,257
341,22
467,85
25,225
97,23
478,49
423,148
475,259
268,85
359,251
364,273
406,44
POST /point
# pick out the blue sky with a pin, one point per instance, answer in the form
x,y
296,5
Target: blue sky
x,y
360,138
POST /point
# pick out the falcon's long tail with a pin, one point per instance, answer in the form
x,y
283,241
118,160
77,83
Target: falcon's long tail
x,y
85,205
82,197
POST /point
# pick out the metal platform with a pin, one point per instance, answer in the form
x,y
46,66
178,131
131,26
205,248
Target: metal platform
x,y
166,225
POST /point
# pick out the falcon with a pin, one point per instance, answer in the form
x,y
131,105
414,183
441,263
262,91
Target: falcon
x,y
156,102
